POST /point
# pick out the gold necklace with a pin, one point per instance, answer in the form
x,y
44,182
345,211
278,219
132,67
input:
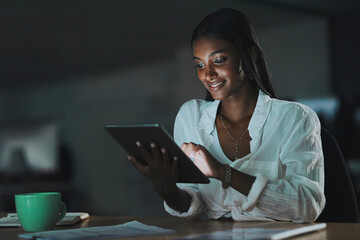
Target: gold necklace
x,y
237,141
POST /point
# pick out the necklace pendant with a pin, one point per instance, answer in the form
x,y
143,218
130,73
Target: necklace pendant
x,y
236,150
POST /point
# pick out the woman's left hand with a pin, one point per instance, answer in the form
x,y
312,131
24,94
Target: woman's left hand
x,y
208,165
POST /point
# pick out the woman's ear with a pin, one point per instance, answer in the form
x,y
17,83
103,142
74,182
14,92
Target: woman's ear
x,y
241,66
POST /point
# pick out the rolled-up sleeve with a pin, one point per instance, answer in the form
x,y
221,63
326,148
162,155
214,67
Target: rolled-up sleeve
x,y
196,209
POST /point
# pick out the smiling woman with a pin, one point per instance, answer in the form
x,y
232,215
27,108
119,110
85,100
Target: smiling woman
x,y
263,155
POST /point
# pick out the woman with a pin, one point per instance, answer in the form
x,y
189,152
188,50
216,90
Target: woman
x,y
263,155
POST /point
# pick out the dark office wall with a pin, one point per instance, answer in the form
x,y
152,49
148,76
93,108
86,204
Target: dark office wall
x,y
81,107
346,52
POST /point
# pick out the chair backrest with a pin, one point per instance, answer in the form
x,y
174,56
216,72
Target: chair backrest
x,y
341,204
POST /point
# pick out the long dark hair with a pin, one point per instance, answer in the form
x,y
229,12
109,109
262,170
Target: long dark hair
x,y
232,25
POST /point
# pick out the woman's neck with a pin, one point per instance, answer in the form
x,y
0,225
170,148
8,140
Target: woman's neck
x,y
241,105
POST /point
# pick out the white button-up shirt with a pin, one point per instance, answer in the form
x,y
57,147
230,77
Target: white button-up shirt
x,y
286,158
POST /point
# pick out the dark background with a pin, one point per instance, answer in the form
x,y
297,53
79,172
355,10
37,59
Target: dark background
x,y
83,64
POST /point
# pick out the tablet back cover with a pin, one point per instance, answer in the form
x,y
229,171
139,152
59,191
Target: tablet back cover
x,y
127,135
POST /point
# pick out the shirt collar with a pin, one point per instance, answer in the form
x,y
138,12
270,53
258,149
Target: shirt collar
x,y
261,112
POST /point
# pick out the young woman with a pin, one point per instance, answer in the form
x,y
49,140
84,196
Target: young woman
x,y
263,155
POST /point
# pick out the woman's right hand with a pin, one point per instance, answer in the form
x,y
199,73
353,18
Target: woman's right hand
x,y
160,169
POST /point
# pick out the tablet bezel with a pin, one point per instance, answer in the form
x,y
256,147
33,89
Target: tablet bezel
x,y
127,135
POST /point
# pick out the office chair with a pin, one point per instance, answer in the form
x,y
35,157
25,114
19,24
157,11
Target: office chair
x,y
341,204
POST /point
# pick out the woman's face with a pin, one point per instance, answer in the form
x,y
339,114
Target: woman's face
x,y
218,66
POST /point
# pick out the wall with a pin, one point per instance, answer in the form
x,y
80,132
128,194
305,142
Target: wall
x,y
346,40
299,57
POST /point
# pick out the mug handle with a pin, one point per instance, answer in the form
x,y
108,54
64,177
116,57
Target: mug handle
x,y
62,211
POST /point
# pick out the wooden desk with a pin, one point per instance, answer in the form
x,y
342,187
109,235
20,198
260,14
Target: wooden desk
x,y
343,231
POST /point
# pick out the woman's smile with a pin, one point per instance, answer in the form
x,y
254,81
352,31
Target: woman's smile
x,y
216,85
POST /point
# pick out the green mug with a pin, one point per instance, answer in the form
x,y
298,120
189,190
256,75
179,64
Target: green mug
x,y
39,211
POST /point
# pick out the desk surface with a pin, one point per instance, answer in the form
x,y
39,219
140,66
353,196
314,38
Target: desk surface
x,y
348,231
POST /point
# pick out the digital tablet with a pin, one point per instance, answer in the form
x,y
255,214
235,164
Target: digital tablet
x,y
127,135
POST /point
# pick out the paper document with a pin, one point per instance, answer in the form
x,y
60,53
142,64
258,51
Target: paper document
x,y
258,233
129,229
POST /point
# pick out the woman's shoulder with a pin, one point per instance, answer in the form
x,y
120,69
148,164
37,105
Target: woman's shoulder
x,y
288,116
292,109
187,120
194,106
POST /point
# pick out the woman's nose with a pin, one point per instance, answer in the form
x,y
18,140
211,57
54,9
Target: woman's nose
x,y
210,73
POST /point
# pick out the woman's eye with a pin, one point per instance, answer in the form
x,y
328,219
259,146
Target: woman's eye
x,y
220,60
200,65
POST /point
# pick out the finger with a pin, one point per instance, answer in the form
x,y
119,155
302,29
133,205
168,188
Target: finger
x,y
190,153
165,158
145,152
194,147
140,167
199,153
196,150
156,156
175,168
184,146
198,165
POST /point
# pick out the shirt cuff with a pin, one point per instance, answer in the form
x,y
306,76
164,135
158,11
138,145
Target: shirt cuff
x,y
254,193
195,210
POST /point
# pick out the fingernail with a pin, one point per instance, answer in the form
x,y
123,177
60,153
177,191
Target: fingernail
x,y
176,158
153,145
163,150
129,157
138,143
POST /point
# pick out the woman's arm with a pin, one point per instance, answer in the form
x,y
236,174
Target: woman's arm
x,y
240,181
176,199
163,172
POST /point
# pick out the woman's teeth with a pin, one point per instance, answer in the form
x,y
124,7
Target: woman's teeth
x,y
216,85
